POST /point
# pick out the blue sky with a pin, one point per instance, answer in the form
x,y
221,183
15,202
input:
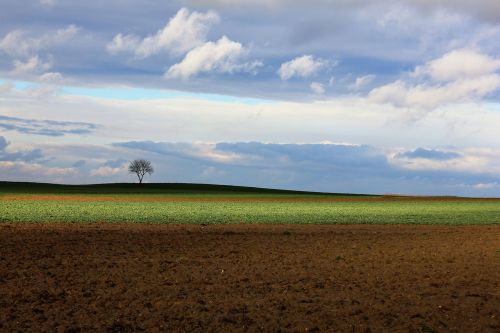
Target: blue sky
x,y
378,96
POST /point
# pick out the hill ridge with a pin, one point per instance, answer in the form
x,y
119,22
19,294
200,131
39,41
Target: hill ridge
x,y
151,188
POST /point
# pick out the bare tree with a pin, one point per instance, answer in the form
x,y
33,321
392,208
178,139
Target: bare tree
x,y
140,167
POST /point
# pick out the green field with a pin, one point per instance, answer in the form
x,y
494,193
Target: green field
x,y
218,204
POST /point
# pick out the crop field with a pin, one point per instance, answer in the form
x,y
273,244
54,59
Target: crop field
x,y
216,205
201,258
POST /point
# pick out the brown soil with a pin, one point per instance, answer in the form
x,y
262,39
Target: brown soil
x,y
386,198
283,278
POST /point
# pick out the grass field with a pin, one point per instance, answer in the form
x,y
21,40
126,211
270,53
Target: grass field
x,y
192,203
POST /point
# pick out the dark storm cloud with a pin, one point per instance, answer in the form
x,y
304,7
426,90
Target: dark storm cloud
x,y
45,127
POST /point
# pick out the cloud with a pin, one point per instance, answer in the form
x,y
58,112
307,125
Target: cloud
x,y
51,78
106,171
471,161
198,151
192,117
308,166
32,66
457,77
338,167
430,97
3,143
430,154
79,164
317,88
223,56
322,156
6,87
185,31
26,156
17,43
45,127
37,91
123,43
238,3
116,163
459,64
327,31
486,186
25,171
304,67
361,82
327,166
483,9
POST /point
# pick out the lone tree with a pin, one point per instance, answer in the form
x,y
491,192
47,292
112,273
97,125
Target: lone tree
x,y
140,167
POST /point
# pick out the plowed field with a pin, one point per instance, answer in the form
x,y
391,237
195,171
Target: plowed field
x,y
255,278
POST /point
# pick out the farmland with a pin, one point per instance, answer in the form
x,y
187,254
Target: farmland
x,y
201,258
177,205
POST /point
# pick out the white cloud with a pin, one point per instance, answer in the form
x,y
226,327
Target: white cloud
x,y
33,169
17,43
459,64
61,35
191,117
182,33
6,87
123,43
42,91
485,186
107,171
51,78
209,151
317,88
223,56
361,81
457,77
186,33
469,160
305,66
430,97
31,66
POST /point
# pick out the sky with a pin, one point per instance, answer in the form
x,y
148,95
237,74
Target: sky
x,y
358,96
